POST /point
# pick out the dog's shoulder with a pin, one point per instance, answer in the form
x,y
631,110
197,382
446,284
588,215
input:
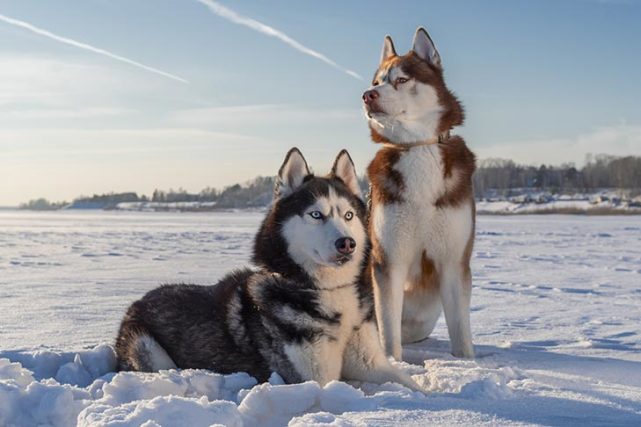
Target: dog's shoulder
x,y
457,156
459,164
275,294
387,182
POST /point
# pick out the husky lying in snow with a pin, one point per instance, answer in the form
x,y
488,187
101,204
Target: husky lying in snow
x,y
422,217
307,313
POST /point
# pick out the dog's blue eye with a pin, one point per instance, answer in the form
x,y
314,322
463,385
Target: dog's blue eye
x,y
316,215
349,215
401,80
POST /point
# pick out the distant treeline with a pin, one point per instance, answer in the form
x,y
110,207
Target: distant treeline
x,y
255,193
493,177
42,204
600,172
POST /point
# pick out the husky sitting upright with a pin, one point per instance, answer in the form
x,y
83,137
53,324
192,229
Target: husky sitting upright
x,y
422,216
307,313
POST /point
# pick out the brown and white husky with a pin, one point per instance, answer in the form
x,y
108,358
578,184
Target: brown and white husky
x,y
422,213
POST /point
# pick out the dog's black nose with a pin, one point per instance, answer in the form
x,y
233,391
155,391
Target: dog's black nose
x,y
345,245
370,96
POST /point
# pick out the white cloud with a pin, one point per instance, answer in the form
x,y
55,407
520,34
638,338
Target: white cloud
x,y
87,47
52,92
619,140
46,82
64,142
276,114
236,18
64,113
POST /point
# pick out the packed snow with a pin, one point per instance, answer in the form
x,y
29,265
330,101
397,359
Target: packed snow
x,y
556,321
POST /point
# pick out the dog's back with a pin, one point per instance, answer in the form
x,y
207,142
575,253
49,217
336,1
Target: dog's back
x,y
191,326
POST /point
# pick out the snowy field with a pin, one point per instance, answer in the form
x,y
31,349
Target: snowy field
x,y
556,320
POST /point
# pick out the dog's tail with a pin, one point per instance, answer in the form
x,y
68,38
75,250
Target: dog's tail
x,y
136,348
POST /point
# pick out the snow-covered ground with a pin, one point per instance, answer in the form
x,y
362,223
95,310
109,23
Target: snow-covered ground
x,y
556,319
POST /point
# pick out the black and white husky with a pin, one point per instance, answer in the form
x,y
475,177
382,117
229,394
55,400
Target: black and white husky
x,y
306,313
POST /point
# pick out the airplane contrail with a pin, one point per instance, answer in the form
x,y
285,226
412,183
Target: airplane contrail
x,y
65,40
230,15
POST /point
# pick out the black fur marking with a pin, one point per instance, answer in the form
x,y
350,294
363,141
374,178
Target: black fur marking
x,y
302,300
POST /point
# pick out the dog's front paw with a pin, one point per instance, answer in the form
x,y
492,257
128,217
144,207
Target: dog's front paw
x,y
467,352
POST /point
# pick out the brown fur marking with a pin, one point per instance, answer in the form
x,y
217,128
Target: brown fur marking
x,y
377,253
387,183
459,164
429,273
467,253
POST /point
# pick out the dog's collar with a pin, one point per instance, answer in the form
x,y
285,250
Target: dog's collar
x,y
442,138
336,287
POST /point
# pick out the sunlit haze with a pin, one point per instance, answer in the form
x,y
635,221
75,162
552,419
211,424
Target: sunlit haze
x,y
99,96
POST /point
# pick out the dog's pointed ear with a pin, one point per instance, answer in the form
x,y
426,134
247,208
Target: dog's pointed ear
x,y
291,174
344,170
425,48
388,49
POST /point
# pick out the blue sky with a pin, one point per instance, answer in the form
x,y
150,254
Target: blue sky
x,y
542,81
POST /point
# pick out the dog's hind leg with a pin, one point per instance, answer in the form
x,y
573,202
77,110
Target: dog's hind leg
x,y
137,350
148,348
365,360
422,302
456,290
421,310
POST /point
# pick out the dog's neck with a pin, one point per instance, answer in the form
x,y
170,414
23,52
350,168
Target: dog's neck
x,y
438,139
328,278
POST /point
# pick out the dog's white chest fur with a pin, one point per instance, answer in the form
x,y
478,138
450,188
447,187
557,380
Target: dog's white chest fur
x,y
436,231
344,301
329,352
